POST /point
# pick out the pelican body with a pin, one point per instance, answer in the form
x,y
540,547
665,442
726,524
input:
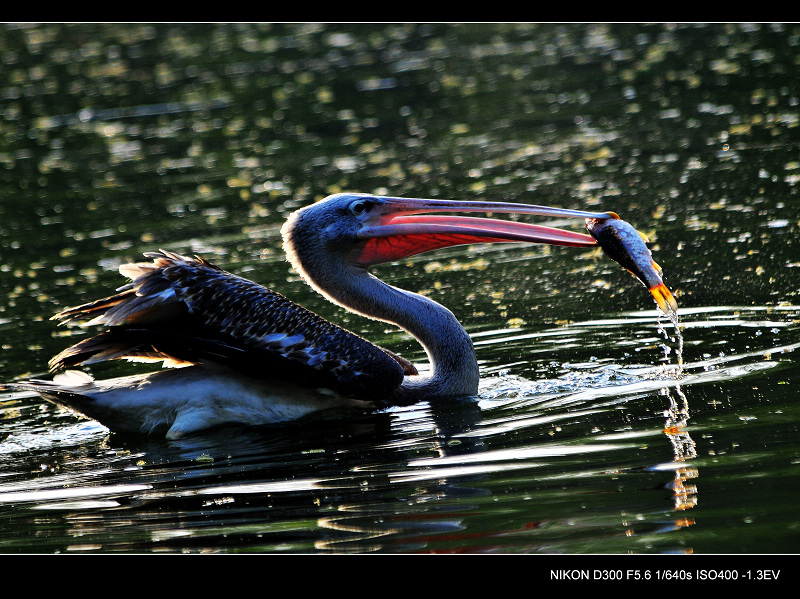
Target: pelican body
x,y
245,354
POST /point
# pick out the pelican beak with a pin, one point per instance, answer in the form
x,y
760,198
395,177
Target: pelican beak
x,y
402,227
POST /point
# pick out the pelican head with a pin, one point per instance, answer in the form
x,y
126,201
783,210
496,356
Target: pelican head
x,y
362,230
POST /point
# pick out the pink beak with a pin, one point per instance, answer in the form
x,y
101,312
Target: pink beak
x,y
400,227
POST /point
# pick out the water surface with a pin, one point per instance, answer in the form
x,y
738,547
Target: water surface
x,y
586,437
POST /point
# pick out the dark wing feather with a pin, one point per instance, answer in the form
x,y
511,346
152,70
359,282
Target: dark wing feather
x,y
185,310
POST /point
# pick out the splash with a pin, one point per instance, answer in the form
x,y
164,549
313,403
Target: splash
x,y
676,340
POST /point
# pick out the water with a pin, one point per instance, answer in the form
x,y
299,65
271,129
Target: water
x,y
599,428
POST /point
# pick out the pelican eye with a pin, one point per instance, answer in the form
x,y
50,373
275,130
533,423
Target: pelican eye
x,y
359,207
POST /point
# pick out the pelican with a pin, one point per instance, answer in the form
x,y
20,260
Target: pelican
x,y
244,354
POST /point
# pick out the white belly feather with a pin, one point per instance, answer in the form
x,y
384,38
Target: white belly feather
x,y
186,400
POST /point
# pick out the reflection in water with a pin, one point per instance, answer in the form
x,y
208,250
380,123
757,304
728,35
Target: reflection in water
x,y
675,428
428,477
202,138
684,448
378,526
685,495
463,465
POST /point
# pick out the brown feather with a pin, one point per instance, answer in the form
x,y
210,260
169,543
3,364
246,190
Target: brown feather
x,y
185,311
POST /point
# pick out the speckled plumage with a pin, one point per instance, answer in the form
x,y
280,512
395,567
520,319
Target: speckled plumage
x,y
186,310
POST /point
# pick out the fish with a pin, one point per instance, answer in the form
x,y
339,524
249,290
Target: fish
x,y
624,244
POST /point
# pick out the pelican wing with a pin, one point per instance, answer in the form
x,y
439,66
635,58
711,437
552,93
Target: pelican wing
x,y
185,311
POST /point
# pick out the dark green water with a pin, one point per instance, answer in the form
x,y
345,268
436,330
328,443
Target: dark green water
x,y
119,139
